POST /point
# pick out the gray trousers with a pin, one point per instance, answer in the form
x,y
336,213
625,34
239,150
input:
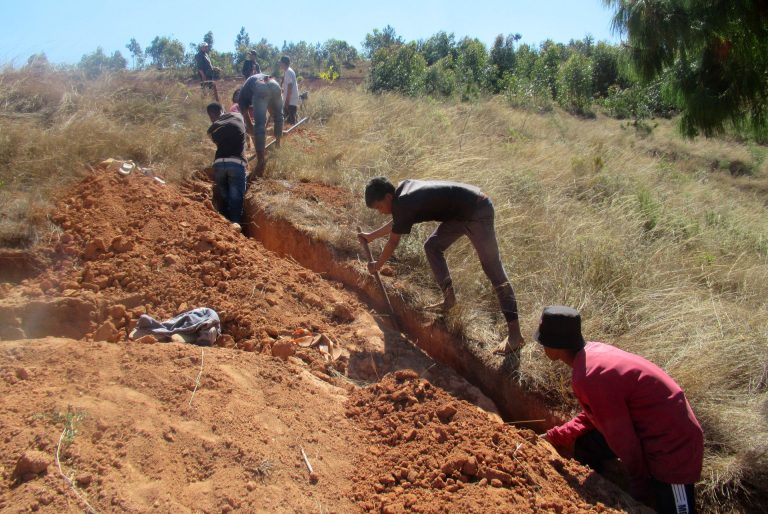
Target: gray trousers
x,y
267,97
482,234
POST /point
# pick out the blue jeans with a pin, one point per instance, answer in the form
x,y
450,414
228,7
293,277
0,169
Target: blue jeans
x,y
229,189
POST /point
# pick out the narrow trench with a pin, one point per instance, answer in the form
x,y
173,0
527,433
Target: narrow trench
x,y
496,379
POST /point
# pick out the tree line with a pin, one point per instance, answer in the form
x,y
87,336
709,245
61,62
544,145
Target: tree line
x,y
577,76
705,60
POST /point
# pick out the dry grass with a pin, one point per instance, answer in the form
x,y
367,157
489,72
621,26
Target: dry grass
x,y
663,251
52,125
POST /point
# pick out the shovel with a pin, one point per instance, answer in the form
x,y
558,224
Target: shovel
x,y
369,256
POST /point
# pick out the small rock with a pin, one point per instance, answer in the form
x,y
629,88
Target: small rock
x,y
313,478
30,464
343,312
495,482
106,332
84,479
117,311
209,280
93,248
121,244
402,375
22,374
170,259
438,483
283,349
446,412
168,436
148,339
225,341
251,485
470,467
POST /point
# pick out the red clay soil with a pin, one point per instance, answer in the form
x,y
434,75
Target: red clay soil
x,y
434,454
168,428
140,446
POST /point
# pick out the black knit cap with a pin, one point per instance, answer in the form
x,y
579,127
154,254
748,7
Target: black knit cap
x,y
560,328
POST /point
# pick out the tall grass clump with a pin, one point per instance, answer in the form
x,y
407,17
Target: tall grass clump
x,y
664,253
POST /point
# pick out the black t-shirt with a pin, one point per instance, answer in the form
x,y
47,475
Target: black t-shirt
x,y
247,68
432,200
228,132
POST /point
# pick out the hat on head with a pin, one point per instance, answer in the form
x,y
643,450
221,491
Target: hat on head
x,y
203,45
252,52
560,328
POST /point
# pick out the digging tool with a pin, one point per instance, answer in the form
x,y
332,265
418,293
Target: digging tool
x,y
369,256
252,157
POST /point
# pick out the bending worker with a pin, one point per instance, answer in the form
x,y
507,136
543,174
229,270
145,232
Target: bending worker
x,y
462,210
263,93
631,409
227,130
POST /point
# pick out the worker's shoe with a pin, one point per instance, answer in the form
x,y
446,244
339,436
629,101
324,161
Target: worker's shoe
x,y
514,342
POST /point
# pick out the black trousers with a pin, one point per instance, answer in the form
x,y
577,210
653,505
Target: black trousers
x,y
290,114
592,450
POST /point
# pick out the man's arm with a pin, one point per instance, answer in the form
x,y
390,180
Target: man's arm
x,y
383,231
566,434
386,253
246,95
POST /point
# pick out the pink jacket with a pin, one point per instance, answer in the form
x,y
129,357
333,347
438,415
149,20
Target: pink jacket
x,y
642,413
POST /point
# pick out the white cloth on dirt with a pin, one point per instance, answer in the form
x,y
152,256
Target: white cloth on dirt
x,y
200,326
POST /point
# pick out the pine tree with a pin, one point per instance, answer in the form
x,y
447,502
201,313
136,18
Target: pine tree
x,y
716,52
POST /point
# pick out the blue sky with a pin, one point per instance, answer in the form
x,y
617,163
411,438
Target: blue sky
x,y
65,30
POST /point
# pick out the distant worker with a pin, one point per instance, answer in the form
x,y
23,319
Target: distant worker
x,y
228,132
248,65
290,90
462,210
631,409
205,70
262,93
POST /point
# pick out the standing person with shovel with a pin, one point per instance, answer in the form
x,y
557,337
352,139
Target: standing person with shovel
x,y
462,210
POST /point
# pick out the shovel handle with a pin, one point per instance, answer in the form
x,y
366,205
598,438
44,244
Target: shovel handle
x,y
369,256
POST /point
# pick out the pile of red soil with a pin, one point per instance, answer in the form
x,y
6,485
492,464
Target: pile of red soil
x,y
132,246
438,454
140,441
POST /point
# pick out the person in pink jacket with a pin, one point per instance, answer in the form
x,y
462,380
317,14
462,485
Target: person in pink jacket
x,y
631,410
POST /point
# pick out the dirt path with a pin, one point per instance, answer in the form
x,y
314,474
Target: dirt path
x,y
130,246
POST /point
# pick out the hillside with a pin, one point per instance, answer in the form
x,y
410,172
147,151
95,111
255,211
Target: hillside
x,y
661,242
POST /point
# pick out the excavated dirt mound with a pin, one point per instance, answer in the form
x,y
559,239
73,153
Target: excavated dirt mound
x,y
437,454
178,428
141,442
